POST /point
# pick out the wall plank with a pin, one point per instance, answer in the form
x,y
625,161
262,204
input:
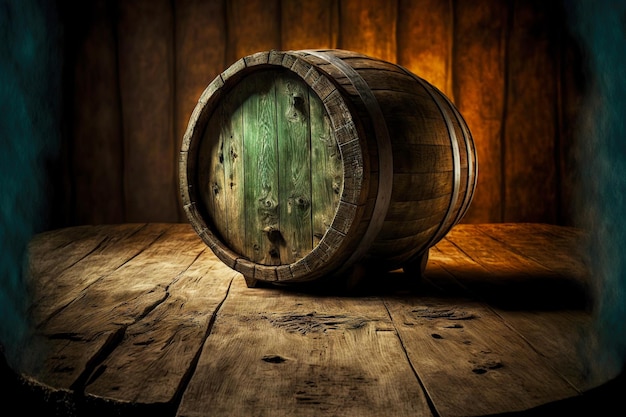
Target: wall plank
x,y
96,122
480,30
369,27
530,116
572,89
200,55
425,40
145,33
252,26
309,24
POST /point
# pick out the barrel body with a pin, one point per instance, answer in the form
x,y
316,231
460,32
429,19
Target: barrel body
x,y
299,165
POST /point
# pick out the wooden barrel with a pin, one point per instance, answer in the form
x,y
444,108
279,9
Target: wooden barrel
x,y
306,164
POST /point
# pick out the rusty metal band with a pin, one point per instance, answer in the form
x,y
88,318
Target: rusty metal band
x,y
385,156
439,98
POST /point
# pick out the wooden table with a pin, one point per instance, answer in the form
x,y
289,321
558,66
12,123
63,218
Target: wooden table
x,y
142,319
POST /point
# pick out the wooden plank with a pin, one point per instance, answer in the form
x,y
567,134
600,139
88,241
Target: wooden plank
x,y
96,146
326,169
523,282
261,170
221,169
44,248
294,168
197,24
162,347
252,26
425,38
421,186
234,168
85,331
369,27
479,81
461,350
212,187
531,119
146,62
415,210
63,252
558,248
543,301
310,356
309,24
144,328
56,289
571,83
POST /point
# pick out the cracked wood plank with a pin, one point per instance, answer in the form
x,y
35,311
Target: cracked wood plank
x,y
274,352
471,362
79,336
116,246
164,345
52,252
511,324
494,328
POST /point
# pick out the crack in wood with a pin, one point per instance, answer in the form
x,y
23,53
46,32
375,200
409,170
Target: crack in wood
x,y
91,372
57,311
184,381
427,396
74,337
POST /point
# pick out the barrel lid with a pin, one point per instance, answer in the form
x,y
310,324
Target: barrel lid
x,y
344,232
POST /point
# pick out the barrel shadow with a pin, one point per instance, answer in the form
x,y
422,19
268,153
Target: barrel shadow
x,y
509,291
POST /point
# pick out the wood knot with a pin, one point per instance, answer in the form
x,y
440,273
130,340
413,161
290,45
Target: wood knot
x,y
301,202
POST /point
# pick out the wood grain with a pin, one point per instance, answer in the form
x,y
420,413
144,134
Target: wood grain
x,y
88,266
146,63
252,26
309,24
110,305
529,162
543,287
378,105
466,356
159,337
261,175
512,67
143,317
97,161
302,355
197,24
425,40
369,27
326,169
479,79
294,165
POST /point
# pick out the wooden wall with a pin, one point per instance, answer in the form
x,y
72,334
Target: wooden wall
x,y
135,69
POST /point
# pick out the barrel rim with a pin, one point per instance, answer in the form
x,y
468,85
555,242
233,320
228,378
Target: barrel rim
x,y
328,255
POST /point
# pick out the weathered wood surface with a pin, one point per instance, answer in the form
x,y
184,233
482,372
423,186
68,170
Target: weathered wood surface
x,y
143,318
146,84
135,68
253,146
